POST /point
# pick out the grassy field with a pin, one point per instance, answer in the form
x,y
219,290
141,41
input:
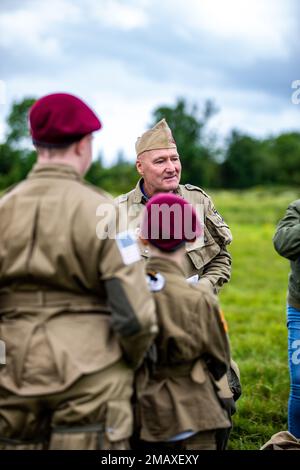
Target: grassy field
x,y
254,305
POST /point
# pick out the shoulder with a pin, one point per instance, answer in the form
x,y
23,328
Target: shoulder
x,y
124,197
96,190
295,205
85,193
87,200
292,213
194,194
10,189
155,280
191,187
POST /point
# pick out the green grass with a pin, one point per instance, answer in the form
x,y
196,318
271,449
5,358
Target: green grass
x,y
254,305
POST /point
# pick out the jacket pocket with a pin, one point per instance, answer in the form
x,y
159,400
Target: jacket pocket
x,y
201,252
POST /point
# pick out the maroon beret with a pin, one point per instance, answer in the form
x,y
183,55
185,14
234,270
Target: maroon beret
x,y
60,119
169,221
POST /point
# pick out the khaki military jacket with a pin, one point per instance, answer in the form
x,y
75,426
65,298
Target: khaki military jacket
x,y
207,257
287,243
177,388
69,302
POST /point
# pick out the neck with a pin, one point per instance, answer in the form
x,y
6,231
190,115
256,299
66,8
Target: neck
x,y
176,256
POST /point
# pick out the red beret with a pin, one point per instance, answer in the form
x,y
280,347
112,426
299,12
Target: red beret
x,y
169,221
61,119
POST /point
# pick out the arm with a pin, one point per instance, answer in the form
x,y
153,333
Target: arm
x,y
132,307
216,344
218,270
287,236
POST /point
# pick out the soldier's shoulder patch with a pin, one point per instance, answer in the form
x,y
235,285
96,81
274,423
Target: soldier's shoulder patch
x,y
128,247
155,281
191,187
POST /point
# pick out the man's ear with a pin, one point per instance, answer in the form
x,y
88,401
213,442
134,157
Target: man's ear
x,y
80,145
139,167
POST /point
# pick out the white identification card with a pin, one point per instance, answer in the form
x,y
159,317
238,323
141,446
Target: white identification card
x,y
193,279
128,247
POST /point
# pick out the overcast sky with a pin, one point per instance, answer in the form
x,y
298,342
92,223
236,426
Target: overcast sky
x,y
127,57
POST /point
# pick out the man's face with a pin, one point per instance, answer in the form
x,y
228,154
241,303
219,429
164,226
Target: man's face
x,y
161,170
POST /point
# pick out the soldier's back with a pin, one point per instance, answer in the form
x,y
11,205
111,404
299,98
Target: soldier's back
x,y
179,394
48,226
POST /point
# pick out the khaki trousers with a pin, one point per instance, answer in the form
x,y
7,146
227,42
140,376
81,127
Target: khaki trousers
x,y
93,413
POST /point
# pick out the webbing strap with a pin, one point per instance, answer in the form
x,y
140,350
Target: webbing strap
x,y
180,370
75,429
90,428
17,442
44,298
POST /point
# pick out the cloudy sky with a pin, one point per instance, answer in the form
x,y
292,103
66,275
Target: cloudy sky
x,y
125,57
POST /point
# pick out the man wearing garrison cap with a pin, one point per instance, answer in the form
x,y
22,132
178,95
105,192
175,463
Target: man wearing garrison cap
x,y
75,312
207,260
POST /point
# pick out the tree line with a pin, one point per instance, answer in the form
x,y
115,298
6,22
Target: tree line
x,y
241,161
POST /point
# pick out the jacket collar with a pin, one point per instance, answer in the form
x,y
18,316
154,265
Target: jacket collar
x,y
56,170
140,198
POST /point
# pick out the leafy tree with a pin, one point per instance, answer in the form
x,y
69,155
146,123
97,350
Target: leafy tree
x,y
18,122
250,162
286,152
242,167
120,178
16,158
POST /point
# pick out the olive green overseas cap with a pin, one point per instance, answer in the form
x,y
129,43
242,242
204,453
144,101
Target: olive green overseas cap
x,y
159,137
